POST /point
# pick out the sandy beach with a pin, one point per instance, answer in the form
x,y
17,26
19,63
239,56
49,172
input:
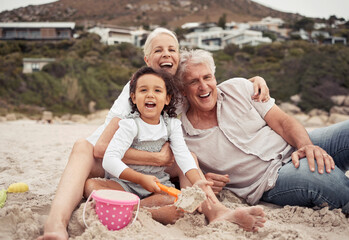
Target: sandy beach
x,y
36,153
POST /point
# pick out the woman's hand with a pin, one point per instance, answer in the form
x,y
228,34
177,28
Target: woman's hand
x,y
261,90
165,156
148,182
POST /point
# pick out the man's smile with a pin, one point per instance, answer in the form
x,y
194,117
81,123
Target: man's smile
x,y
205,95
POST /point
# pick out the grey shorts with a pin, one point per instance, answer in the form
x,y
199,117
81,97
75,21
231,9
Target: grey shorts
x,y
138,189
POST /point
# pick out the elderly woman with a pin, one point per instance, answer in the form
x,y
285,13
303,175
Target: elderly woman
x,y
266,154
161,51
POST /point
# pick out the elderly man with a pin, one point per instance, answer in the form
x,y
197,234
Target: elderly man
x,y
256,150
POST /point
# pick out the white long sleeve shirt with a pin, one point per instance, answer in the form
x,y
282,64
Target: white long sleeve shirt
x,y
129,129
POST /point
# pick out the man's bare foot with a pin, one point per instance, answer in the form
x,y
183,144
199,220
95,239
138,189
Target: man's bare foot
x,y
166,214
248,218
59,232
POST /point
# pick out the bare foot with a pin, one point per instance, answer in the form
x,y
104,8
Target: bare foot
x,y
166,214
248,218
58,232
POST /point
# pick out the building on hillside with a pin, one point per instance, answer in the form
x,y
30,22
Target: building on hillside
x,y
199,27
210,40
268,23
31,65
216,38
190,25
319,34
335,40
36,30
318,26
271,25
301,34
113,35
245,37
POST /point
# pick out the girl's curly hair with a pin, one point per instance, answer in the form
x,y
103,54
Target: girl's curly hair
x,y
172,88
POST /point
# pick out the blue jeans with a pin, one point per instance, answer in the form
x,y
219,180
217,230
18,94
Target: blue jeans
x,y
302,187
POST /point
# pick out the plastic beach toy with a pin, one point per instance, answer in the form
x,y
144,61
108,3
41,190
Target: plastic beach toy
x,y
169,190
13,188
114,208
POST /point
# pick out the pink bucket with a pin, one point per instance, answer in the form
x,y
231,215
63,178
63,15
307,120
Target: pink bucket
x,y
114,208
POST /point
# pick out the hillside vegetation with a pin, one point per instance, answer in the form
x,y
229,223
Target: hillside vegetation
x,y
170,13
316,72
86,70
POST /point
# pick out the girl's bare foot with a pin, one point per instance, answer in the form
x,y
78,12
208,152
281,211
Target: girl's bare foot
x,y
166,214
248,218
58,232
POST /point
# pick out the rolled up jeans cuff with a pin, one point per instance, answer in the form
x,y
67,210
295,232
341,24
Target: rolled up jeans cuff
x,y
345,209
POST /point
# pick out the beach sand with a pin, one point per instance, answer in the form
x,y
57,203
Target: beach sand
x,y
37,153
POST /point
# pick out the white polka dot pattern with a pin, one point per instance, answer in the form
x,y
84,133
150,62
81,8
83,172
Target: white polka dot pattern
x,y
115,217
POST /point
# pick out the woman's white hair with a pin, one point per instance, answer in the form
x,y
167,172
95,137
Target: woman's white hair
x,y
156,32
195,57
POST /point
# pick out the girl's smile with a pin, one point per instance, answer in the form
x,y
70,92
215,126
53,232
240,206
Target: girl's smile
x,y
150,97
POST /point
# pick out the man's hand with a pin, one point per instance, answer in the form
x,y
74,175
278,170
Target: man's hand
x,y
312,152
219,181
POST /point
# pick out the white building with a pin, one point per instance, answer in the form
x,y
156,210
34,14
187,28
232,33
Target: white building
x,y
324,34
245,37
268,23
210,40
216,38
112,35
318,26
31,65
36,30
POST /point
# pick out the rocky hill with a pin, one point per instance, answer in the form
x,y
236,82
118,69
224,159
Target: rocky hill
x,y
171,13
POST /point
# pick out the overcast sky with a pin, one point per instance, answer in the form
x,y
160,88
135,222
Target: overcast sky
x,y
309,8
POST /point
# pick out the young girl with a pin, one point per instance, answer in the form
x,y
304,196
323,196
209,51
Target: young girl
x,y
152,122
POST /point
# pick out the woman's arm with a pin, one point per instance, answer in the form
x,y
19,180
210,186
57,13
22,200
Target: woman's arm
x,y
261,90
163,158
104,140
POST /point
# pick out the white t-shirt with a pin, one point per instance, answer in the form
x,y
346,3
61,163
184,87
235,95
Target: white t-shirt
x,y
129,129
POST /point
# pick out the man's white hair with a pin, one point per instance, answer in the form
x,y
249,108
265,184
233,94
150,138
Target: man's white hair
x,y
156,32
195,57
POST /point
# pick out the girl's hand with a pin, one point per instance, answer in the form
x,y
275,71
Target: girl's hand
x,y
206,187
261,90
148,182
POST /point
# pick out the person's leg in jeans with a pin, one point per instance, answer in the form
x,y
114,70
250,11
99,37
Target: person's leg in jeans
x,y
302,187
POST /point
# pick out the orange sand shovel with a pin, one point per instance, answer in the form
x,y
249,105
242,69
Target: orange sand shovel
x,y
170,190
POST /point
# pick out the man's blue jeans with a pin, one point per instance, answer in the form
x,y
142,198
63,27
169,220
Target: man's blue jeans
x,y
302,187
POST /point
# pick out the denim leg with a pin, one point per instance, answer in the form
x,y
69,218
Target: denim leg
x,y
305,188
335,140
